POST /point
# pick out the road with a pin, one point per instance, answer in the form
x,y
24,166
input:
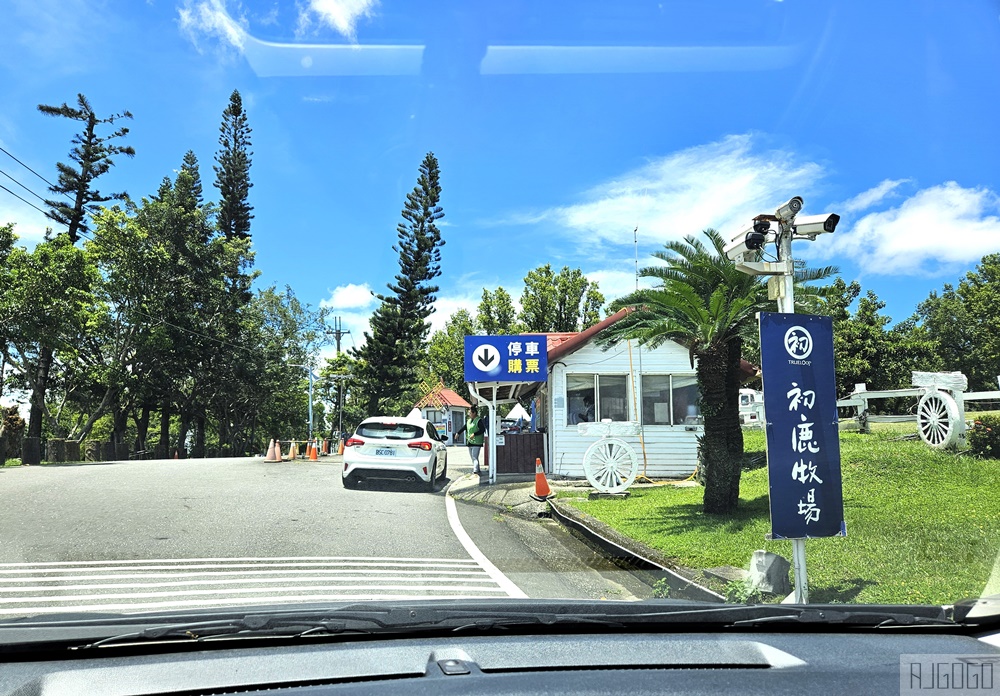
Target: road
x,y
147,535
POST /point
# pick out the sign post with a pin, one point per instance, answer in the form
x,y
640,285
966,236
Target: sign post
x,y
503,360
803,447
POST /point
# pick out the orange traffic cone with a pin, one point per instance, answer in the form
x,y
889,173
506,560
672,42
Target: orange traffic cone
x,y
313,453
176,455
269,457
292,451
542,490
340,447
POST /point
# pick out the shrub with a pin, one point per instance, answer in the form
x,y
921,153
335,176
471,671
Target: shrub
x,y
984,436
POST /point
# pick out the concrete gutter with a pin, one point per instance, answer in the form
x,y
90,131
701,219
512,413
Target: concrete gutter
x,y
515,498
633,553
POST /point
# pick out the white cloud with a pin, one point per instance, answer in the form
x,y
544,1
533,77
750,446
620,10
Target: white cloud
x,y
615,283
29,224
871,197
721,184
444,307
357,322
340,15
937,230
211,18
350,296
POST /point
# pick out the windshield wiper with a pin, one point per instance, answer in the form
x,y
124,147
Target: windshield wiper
x,y
878,619
383,618
249,626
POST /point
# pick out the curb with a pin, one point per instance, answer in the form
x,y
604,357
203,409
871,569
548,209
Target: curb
x,y
625,549
615,545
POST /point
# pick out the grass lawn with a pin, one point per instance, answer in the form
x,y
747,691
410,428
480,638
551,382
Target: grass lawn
x,y
923,526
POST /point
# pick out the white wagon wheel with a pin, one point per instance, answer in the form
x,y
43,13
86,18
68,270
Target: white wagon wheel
x,y
610,465
937,419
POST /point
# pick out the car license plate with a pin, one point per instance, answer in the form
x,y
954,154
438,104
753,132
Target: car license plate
x,y
385,452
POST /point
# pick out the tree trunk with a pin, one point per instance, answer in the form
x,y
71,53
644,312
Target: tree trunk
x,y
109,395
119,431
734,426
718,466
185,426
39,387
163,447
198,450
142,427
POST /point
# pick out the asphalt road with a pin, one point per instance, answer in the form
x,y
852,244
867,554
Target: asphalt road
x,y
145,535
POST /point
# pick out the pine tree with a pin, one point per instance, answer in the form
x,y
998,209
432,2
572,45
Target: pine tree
x,y
193,193
93,155
389,359
232,174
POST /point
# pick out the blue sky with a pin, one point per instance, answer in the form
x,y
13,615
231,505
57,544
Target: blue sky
x,y
560,127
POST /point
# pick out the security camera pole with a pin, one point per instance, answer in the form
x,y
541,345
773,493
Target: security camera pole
x,y
808,504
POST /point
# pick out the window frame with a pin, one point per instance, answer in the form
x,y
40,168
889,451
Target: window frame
x,y
596,387
670,389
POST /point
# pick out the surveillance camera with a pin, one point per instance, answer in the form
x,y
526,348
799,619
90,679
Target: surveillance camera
x,y
747,242
811,225
789,210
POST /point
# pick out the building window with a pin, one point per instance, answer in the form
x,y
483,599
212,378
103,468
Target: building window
x,y
596,397
670,400
687,404
656,400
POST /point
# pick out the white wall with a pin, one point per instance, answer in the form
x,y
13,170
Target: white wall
x,y
671,450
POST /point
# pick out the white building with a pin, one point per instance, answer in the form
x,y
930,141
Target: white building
x,y
656,388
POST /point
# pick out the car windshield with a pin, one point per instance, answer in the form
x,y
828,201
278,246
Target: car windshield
x,y
671,300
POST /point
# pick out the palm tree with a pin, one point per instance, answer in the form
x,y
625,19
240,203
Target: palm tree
x,y
706,304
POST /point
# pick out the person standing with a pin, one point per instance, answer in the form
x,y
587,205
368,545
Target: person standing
x,y
476,429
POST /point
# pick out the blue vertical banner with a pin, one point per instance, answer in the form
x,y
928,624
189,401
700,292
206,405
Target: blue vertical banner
x,y
803,445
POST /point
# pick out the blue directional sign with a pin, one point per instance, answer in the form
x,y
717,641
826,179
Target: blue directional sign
x,y
506,359
800,405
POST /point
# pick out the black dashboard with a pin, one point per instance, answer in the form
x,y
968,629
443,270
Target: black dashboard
x,y
637,663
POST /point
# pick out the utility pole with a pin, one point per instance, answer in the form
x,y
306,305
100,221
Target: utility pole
x,y
309,370
338,332
340,398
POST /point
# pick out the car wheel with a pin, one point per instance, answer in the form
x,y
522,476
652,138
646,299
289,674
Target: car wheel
x,y
432,483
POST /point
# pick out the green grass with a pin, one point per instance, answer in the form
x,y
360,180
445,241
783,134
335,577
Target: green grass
x,y
922,526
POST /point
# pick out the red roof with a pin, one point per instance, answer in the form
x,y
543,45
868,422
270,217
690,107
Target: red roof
x,y
560,345
442,396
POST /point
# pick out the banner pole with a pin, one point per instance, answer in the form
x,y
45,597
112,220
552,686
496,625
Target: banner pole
x,y
786,304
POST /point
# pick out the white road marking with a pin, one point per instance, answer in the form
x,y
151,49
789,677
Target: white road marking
x,y
138,585
136,607
499,578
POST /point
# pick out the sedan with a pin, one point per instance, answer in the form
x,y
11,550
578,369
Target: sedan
x,y
401,448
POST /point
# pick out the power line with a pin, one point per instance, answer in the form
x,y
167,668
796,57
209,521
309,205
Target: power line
x,y
30,169
24,200
22,185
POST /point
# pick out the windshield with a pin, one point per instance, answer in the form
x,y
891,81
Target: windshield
x,y
547,244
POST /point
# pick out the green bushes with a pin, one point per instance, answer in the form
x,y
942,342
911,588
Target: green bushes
x,y
984,436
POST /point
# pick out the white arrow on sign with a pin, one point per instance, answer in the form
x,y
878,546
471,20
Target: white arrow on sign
x,y
486,358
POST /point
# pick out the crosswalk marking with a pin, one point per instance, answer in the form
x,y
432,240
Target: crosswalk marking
x,y
149,584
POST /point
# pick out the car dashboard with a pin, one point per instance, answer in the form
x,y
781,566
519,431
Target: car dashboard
x,y
771,663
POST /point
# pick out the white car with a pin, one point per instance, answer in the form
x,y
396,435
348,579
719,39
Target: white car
x,y
400,448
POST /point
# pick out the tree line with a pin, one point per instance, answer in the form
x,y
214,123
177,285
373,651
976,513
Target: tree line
x,y
136,321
